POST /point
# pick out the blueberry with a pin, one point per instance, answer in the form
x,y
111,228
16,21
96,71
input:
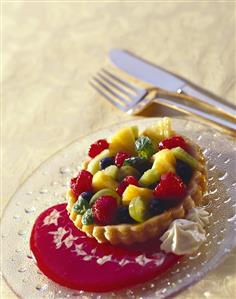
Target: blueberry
x,y
184,171
105,162
86,195
123,215
157,206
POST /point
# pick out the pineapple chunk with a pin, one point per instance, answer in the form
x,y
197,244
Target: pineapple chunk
x,y
133,191
123,140
164,161
103,181
159,131
94,164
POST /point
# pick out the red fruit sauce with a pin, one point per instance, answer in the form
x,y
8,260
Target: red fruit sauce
x,y
70,258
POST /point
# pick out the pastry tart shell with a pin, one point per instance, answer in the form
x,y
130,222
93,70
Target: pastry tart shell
x,y
155,226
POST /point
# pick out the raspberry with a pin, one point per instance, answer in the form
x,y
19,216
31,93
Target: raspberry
x,y
120,158
171,187
105,210
81,183
173,142
129,180
97,147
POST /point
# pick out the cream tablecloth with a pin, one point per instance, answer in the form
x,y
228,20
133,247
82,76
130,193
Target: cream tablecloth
x,y
52,48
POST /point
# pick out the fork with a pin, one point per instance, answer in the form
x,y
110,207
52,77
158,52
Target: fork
x,y
132,99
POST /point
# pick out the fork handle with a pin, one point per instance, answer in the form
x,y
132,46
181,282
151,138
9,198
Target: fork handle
x,y
227,126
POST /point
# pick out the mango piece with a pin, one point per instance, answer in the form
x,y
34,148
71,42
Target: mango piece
x,y
103,181
133,191
104,192
94,164
164,161
151,176
123,140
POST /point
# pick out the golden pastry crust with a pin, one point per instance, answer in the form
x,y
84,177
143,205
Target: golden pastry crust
x,y
155,226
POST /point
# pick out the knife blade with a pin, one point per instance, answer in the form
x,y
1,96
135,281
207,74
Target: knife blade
x,y
158,77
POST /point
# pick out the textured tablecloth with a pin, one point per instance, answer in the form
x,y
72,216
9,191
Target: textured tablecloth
x,y
50,49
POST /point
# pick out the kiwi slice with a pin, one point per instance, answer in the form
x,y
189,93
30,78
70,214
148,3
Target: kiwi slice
x,y
102,193
150,177
112,171
182,155
94,164
125,171
139,209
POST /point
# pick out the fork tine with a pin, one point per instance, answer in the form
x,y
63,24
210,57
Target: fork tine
x,y
127,84
107,96
119,97
116,86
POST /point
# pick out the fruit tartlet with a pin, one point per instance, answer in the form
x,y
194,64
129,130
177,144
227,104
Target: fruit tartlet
x,y
136,183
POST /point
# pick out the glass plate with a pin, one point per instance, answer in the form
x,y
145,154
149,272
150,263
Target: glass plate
x,y
47,186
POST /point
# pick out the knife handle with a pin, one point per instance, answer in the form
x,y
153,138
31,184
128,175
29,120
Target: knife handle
x,y
212,119
208,100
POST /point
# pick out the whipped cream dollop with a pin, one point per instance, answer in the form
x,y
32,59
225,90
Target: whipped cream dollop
x,y
185,236
199,215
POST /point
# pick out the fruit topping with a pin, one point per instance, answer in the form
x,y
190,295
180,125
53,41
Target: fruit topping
x,y
123,215
129,180
150,177
97,147
139,163
112,171
164,161
144,147
87,218
133,191
125,171
102,181
171,187
174,141
105,162
81,205
184,171
105,192
81,183
105,210
124,141
182,155
94,164
139,209
120,158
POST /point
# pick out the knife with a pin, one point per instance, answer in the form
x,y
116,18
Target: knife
x,y
158,77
